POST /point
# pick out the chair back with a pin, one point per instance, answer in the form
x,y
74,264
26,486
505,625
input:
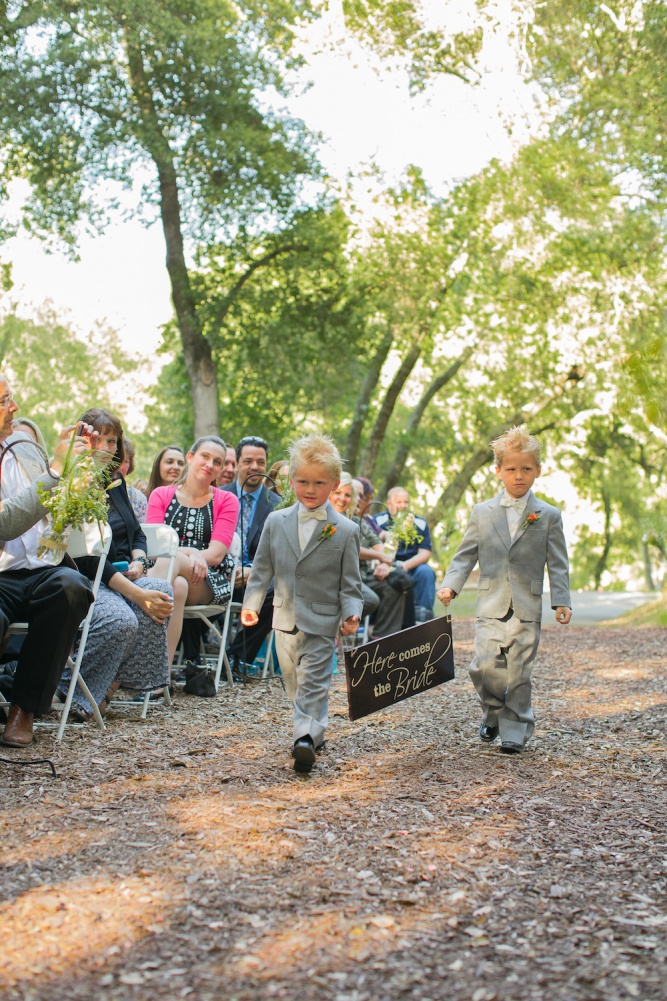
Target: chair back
x,y
161,541
92,539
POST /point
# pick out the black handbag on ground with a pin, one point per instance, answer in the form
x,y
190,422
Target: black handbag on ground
x,y
199,680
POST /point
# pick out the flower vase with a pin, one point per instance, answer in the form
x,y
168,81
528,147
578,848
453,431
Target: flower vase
x,y
53,545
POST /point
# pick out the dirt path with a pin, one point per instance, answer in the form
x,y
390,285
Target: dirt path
x,y
184,858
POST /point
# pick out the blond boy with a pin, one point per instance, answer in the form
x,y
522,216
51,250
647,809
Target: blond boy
x,y
513,537
312,553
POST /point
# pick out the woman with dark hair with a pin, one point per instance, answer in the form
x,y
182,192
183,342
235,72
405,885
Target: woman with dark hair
x,y
127,641
138,500
167,468
205,519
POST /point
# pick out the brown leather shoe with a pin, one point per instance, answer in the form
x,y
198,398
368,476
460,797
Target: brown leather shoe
x,y
18,731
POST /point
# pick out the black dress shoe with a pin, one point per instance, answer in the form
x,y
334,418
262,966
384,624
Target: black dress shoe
x,y
303,753
487,732
510,747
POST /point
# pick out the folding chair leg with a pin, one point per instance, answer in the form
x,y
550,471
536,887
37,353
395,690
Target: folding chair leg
x,y
166,695
75,680
267,669
228,672
144,708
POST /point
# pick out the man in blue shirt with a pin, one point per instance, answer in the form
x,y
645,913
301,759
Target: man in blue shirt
x,y
257,503
413,559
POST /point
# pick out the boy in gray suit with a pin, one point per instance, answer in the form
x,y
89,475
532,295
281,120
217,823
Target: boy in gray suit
x,y
514,536
312,553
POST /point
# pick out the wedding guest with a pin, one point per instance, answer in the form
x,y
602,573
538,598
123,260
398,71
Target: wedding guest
x,y
513,537
366,498
127,641
312,553
205,519
168,468
52,599
138,500
344,497
412,558
29,427
344,500
227,474
257,502
279,477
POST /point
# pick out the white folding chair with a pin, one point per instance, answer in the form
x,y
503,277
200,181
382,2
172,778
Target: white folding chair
x,y
161,542
205,613
86,541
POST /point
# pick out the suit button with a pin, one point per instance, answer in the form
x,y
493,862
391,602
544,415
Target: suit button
x,y
299,575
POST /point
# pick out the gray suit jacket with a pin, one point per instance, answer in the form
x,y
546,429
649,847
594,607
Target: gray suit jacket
x,y
21,512
313,589
513,572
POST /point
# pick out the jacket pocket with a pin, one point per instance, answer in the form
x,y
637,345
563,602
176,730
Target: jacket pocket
x,y
536,586
320,608
484,583
277,601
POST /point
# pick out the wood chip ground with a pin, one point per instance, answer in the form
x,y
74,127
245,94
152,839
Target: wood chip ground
x,y
183,858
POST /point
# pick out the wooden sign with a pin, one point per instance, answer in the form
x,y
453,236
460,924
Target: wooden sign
x,y
399,666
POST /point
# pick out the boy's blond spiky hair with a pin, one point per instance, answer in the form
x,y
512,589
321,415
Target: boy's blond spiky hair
x,y
517,439
318,449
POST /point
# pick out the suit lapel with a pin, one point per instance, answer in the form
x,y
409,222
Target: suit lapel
x,y
499,518
291,529
532,507
316,537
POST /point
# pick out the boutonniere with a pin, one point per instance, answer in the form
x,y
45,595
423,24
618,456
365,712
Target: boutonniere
x,y
530,520
328,530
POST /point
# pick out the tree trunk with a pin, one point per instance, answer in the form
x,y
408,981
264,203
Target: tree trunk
x,y
403,451
376,437
648,566
196,349
353,443
601,564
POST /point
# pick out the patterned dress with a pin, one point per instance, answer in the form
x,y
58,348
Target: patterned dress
x,y
194,526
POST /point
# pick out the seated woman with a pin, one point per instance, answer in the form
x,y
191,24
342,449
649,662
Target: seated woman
x,y
344,497
127,641
205,519
344,500
138,500
279,473
168,467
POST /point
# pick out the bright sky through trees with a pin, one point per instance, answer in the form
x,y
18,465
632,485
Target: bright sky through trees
x,y
363,108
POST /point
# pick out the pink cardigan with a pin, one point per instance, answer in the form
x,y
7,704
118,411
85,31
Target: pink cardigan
x,y
225,512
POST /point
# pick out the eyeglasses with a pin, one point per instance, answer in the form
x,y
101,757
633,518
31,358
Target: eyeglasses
x,y
7,400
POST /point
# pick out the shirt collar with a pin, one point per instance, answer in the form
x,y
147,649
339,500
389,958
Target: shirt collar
x,y
240,492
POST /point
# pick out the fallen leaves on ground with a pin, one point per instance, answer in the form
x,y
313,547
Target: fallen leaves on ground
x,y
183,857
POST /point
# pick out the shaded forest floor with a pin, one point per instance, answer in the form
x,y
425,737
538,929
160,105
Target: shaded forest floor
x,y
182,857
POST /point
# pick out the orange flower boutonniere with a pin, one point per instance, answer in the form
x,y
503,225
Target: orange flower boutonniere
x,y
328,530
530,520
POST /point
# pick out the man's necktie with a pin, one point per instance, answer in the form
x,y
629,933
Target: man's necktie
x,y
245,518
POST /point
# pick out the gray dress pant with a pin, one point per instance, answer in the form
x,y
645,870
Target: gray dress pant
x,y
306,663
505,650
